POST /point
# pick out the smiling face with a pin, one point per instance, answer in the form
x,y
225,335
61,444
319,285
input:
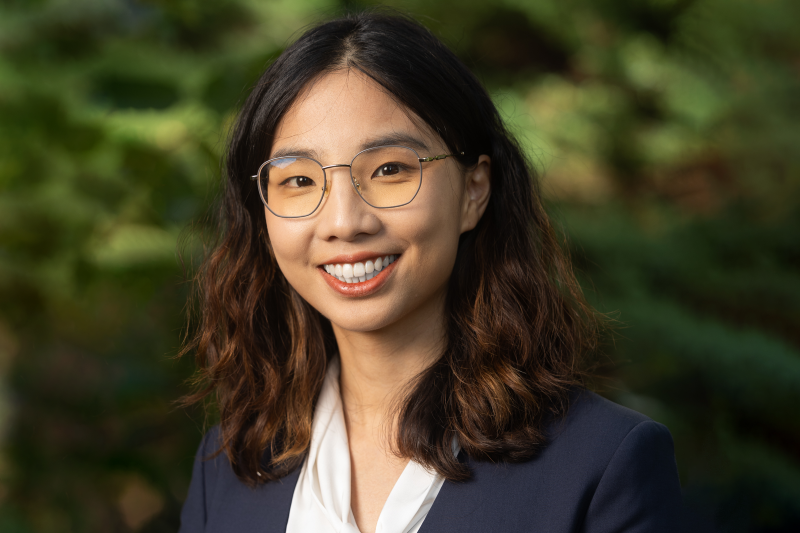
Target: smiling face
x,y
336,117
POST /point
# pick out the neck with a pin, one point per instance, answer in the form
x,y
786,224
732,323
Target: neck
x,y
377,367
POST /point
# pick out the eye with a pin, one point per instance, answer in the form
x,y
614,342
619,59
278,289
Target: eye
x,y
389,169
298,182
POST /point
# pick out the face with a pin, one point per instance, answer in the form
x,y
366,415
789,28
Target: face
x,y
332,120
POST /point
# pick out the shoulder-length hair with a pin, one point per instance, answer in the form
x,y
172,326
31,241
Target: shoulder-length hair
x,y
517,325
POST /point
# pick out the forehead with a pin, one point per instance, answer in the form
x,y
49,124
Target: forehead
x,y
340,113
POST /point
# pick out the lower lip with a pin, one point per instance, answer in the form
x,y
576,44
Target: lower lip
x,y
362,288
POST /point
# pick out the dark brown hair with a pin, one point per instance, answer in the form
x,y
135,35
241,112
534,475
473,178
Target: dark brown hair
x,y
517,325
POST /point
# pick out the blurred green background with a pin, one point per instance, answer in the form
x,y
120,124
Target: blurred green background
x,y
668,132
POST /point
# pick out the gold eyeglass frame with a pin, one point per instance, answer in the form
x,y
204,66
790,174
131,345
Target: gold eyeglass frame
x,y
353,181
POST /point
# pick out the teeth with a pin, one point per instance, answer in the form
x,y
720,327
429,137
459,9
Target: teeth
x,y
359,272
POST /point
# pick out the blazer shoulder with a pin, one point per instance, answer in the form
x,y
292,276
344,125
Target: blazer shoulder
x,y
194,513
595,417
219,502
603,468
591,432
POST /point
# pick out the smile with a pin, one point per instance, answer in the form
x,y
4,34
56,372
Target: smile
x,y
361,271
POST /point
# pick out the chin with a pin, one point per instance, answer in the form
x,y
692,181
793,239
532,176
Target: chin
x,y
361,322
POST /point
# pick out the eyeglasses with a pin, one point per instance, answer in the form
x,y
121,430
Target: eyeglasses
x,y
384,177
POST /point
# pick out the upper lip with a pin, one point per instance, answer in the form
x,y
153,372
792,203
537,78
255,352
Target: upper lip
x,y
355,258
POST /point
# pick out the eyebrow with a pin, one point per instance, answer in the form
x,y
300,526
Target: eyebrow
x,y
402,139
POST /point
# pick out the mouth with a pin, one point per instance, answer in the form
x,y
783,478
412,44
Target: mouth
x,y
361,271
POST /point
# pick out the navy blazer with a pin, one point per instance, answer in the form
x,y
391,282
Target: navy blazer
x,y
605,469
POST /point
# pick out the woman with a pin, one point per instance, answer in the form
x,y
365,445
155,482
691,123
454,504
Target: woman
x,y
393,335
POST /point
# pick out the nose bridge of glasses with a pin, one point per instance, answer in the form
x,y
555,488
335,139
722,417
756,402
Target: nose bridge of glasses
x,y
329,181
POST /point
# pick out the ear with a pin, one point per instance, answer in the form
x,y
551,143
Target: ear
x,y
476,193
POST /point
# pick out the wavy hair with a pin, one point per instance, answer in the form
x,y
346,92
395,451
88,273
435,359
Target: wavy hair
x,y
517,324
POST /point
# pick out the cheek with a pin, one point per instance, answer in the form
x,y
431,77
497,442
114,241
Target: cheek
x,y
289,240
441,202
436,228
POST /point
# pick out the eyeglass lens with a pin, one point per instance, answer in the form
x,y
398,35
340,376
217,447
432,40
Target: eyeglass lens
x,y
388,176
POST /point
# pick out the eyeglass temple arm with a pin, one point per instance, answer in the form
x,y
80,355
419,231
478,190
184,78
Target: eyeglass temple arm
x,y
437,157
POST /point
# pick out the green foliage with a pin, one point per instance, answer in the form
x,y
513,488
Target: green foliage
x,y
666,131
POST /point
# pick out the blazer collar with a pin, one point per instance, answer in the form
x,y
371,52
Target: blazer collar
x,y
449,513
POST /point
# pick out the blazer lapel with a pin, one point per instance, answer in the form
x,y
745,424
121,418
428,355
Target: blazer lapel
x,y
456,506
277,503
238,508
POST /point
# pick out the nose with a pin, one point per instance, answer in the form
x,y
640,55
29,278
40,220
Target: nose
x,y
344,215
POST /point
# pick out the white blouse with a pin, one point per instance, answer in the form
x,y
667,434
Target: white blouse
x,y
321,501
